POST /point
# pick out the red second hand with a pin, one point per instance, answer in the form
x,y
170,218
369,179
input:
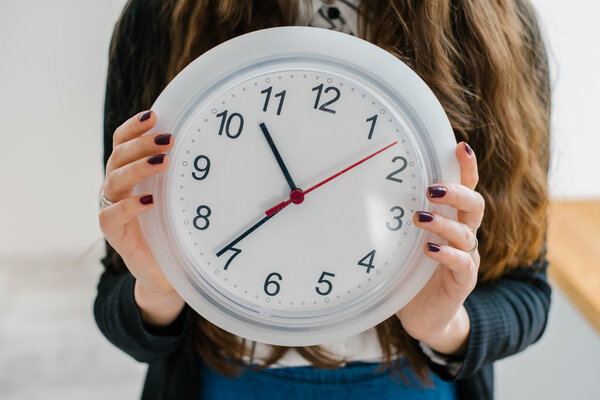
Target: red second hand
x,y
297,196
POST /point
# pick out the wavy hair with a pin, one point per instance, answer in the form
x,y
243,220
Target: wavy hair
x,y
486,63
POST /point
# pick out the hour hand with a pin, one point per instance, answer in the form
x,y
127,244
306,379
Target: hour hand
x,y
284,169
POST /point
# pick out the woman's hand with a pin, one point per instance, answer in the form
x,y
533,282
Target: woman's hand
x,y
436,316
134,158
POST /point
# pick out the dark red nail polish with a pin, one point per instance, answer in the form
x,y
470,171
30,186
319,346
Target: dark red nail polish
x,y
468,149
433,247
145,116
156,159
435,192
145,200
424,216
163,139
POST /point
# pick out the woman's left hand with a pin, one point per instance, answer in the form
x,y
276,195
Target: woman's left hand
x,y
436,315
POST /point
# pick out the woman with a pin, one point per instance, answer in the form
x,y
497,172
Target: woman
x,y
486,64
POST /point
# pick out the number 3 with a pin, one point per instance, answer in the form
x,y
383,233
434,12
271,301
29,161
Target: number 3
x,y
398,218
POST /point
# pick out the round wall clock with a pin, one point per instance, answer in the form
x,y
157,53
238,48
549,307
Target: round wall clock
x,y
285,215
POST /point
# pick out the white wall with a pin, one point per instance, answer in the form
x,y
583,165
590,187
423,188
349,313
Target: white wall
x,y
573,31
52,69
53,57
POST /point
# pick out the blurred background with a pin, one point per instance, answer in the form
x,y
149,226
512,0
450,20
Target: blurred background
x,y
53,58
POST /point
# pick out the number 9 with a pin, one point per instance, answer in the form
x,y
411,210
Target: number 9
x,y
203,170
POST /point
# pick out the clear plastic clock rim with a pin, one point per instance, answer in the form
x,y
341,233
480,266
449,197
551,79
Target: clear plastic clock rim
x,y
271,46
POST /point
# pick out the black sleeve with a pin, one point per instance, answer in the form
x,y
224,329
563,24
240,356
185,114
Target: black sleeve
x,y
119,319
115,310
506,316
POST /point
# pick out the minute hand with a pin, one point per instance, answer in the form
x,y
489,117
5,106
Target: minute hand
x,y
296,194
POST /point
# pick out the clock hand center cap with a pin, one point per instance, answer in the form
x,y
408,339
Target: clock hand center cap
x,y
297,196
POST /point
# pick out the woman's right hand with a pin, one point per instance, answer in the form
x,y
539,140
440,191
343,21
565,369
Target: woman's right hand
x,y
135,157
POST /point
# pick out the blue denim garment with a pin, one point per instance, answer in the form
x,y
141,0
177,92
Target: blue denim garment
x,y
356,380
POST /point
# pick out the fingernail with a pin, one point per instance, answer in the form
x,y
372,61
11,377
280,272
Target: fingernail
x,y
435,192
156,159
163,139
433,247
146,199
468,149
145,116
424,216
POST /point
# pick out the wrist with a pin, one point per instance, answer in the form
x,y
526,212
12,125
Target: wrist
x,y
157,308
454,338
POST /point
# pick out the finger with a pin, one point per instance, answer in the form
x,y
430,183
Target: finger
x,y
138,148
463,267
119,214
120,182
455,233
134,127
469,203
469,175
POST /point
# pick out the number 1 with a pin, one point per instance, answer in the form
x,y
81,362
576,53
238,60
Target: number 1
x,y
373,121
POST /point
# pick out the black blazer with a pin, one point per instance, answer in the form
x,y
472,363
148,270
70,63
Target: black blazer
x,y
506,315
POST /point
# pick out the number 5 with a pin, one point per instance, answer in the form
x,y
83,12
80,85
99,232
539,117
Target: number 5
x,y
325,281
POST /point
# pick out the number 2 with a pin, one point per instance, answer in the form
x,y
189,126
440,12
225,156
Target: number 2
x,y
391,176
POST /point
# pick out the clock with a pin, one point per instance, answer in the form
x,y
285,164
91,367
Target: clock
x,y
300,156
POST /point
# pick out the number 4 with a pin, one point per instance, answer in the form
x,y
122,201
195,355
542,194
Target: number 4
x,y
369,258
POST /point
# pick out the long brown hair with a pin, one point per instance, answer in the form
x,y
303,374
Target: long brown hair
x,y
485,62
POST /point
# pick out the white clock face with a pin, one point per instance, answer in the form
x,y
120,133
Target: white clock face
x,y
285,215
344,239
